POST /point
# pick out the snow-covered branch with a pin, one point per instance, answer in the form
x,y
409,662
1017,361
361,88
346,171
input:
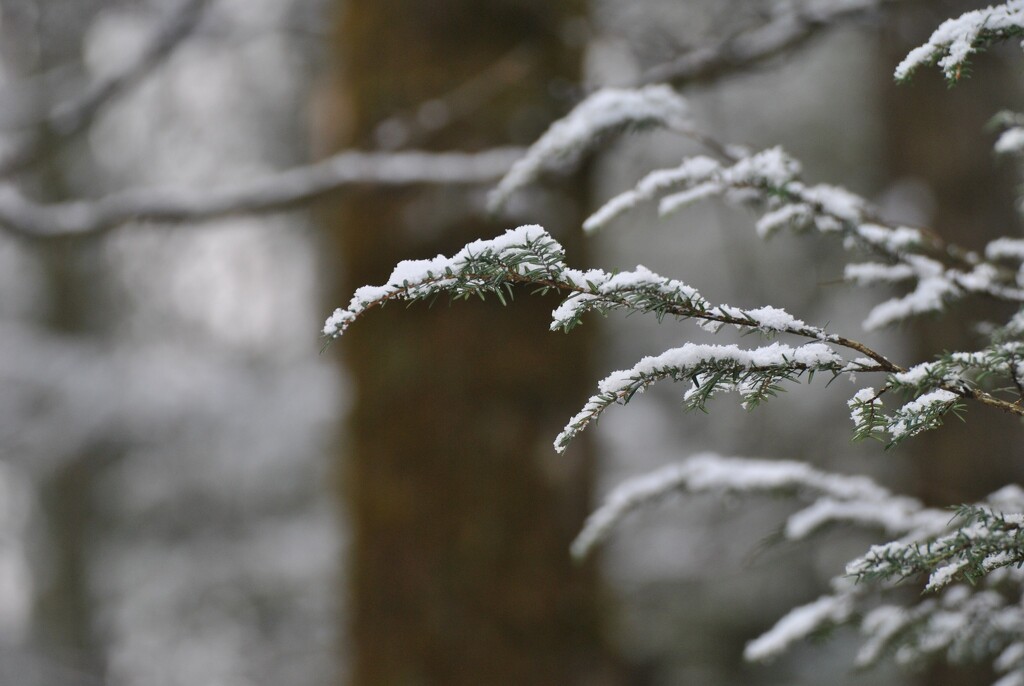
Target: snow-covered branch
x,y
756,374
924,413
937,388
983,544
711,473
953,43
272,193
529,256
770,180
600,114
963,623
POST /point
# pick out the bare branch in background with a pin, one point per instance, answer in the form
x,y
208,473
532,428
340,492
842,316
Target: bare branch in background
x,y
420,122
271,193
787,30
65,119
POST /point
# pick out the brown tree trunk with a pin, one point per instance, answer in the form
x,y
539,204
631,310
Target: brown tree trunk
x,y
461,513
64,621
937,135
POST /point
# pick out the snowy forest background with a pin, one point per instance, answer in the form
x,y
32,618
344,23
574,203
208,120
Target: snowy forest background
x,y
176,480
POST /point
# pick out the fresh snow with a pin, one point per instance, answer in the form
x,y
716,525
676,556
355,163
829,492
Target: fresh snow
x,y
925,404
1005,249
691,171
710,473
690,355
892,240
932,290
687,359
798,624
772,168
891,515
411,275
1010,141
797,214
868,273
943,575
916,375
769,320
598,283
604,111
956,39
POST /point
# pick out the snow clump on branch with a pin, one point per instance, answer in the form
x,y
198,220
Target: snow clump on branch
x,y
606,111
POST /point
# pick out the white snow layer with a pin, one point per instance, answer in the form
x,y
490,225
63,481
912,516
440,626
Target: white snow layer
x,y
956,39
798,624
600,113
617,385
409,274
709,472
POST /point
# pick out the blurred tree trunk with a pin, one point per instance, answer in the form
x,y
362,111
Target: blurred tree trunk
x,y
937,135
460,511
65,621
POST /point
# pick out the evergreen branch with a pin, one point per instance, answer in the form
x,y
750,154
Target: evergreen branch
x,y
984,541
529,256
966,622
710,473
983,545
604,112
924,413
963,626
959,373
866,413
756,374
991,401
955,40
771,179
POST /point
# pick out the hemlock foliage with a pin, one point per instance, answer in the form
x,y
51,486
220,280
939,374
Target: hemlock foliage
x,y
967,563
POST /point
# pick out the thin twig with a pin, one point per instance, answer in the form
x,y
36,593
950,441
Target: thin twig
x,y
416,125
786,31
987,399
